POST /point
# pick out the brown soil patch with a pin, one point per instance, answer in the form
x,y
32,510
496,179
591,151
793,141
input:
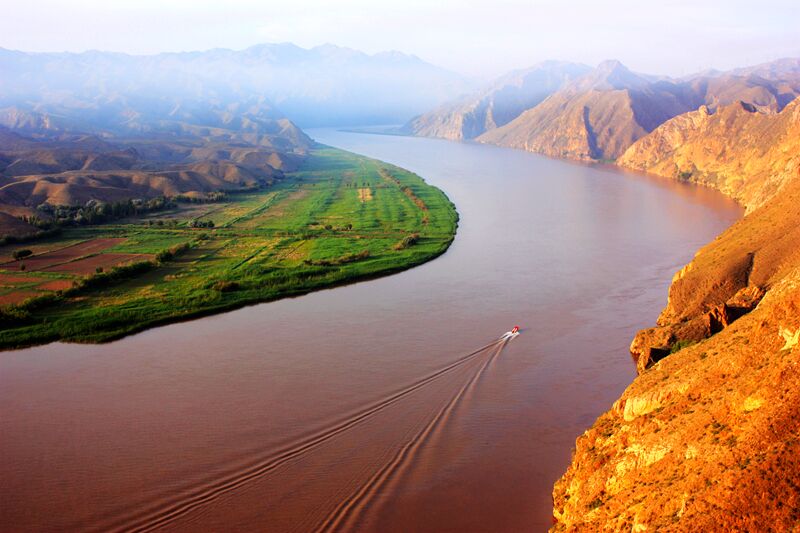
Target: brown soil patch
x,y
55,285
62,255
16,297
105,261
365,194
10,279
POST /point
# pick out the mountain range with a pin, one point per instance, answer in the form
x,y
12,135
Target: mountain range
x,y
322,86
596,114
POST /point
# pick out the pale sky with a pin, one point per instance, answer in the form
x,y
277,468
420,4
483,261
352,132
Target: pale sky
x,y
474,37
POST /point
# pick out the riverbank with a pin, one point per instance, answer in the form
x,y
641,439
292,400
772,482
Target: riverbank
x,y
706,437
341,218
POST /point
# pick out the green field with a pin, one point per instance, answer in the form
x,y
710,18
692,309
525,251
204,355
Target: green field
x,y
340,218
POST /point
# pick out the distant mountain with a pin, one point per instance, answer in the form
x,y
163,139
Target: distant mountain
x,y
787,68
599,115
500,103
325,85
747,152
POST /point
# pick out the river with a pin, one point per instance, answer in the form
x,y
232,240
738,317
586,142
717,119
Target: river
x,y
368,407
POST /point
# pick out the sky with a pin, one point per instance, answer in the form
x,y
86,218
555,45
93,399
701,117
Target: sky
x,y
474,37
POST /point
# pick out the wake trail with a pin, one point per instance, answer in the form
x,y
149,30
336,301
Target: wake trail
x,y
170,509
346,514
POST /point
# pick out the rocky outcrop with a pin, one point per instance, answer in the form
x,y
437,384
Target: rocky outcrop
x,y
745,151
707,437
728,277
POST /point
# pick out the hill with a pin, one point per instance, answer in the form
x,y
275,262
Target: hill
x,y
73,170
746,151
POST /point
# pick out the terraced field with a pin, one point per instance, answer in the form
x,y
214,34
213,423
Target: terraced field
x,y
340,218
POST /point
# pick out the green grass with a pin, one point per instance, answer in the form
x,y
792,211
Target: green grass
x,y
289,239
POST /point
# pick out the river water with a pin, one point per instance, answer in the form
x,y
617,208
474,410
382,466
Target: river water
x,y
370,407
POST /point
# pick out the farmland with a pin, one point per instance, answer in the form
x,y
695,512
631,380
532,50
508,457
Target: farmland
x,y
338,219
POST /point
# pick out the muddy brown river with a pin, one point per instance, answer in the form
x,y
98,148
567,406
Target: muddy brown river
x,y
383,406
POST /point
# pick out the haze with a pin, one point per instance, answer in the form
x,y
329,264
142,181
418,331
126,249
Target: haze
x,y
473,37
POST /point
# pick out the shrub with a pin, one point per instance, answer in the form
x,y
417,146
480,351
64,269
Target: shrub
x,y
407,242
201,223
225,286
13,315
343,260
680,345
15,239
114,275
171,253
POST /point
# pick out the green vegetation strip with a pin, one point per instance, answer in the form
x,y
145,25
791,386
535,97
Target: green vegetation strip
x,y
339,219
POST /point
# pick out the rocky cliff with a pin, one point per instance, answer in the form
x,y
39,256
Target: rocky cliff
x,y
707,437
745,150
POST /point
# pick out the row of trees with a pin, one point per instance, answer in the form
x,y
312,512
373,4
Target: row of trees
x,y
95,211
201,223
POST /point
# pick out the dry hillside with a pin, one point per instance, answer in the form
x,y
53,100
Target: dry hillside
x,y
745,151
707,438
74,170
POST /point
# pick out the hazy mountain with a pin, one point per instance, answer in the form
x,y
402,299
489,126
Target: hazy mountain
x,y
497,104
787,68
325,85
599,115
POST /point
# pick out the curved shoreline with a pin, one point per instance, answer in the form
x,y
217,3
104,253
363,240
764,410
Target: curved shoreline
x,y
437,225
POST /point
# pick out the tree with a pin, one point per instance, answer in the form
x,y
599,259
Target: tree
x,y
20,254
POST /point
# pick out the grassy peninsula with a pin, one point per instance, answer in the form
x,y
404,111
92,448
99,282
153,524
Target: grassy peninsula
x,y
338,219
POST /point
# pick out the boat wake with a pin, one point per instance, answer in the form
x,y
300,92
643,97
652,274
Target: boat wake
x,y
345,515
